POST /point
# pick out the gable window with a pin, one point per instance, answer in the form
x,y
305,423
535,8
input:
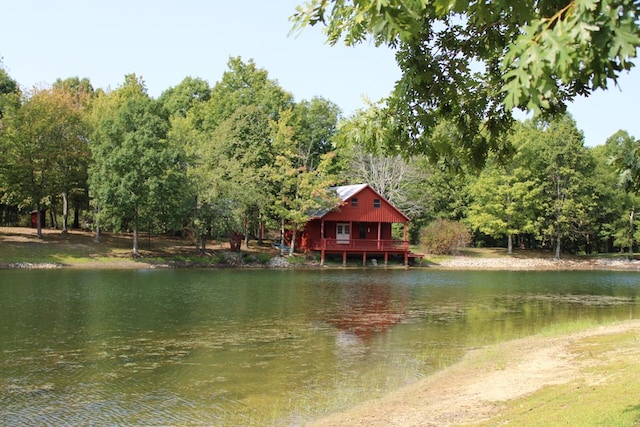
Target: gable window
x,y
376,203
354,202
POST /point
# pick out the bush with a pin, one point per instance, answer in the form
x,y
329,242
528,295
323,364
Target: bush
x,y
264,258
443,236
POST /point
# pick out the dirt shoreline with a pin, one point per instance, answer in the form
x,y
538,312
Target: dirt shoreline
x,y
476,388
455,263
516,264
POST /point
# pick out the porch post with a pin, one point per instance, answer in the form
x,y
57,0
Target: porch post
x,y
379,233
322,243
406,251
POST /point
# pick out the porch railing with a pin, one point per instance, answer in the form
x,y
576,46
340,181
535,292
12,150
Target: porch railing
x,y
360,245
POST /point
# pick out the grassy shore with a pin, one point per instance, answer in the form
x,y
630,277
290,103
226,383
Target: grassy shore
x,y
579,374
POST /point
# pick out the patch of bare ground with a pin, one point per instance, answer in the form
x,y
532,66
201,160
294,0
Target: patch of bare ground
x,y
475,389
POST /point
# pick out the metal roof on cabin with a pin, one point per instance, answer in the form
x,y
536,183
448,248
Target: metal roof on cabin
x,y
346,191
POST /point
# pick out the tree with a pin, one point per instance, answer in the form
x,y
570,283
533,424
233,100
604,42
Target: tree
x,y
9,90
180,99
473,62
45,149
300,190
555,152
314,124
503,203
243,85
624,154
136,175
236,161
73,164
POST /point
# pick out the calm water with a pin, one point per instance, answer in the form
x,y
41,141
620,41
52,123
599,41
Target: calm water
x,y
230,347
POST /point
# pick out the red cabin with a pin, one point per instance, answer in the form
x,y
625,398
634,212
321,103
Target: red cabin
x,y
361,224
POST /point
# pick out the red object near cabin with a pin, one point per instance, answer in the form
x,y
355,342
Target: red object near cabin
x,y
34,219
361,224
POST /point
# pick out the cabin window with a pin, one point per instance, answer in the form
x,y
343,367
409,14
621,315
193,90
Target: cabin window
x,y
354,202
376,203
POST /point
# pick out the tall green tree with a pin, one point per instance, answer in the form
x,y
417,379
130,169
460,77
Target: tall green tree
x,y
503,201
244,84
236,162
44,141
136,177
472,62
236,144
564,167
74,164
623,151
9,90
180,99
300,190
315,124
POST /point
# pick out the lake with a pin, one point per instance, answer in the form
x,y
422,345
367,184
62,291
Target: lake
x,y
260,347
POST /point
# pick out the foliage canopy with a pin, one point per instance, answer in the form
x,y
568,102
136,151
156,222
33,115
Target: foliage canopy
x,y
473,62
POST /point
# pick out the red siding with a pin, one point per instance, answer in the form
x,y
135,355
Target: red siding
x,y
365,211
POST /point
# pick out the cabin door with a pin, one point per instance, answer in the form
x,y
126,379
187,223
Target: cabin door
x,y
343,232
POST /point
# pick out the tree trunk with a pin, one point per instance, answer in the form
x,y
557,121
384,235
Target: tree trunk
x,y
97,237
510,244
558,246
246,232
632,216
136,251
76,217
282,236
52,216
65,212
38,222
293,239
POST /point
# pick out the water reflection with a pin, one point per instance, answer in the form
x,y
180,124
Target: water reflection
x,y
368,310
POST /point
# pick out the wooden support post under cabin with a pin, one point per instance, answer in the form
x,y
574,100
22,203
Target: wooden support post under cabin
x,y
386,258
344,258
364,259
322,258
406,259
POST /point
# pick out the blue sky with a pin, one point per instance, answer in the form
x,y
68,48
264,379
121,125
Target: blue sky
x,y
165,41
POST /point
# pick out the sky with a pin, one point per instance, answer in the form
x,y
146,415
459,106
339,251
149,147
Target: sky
x,y
165,41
